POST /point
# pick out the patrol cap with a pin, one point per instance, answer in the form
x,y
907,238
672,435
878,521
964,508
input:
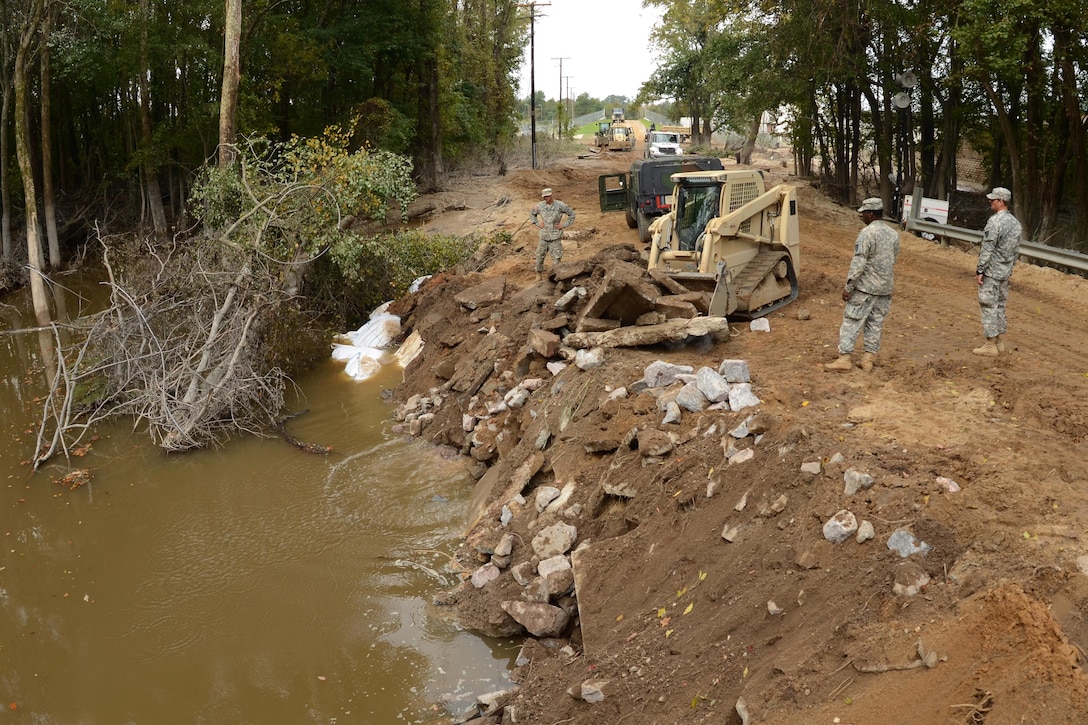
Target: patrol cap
x,y
871,204
546,192
1000,192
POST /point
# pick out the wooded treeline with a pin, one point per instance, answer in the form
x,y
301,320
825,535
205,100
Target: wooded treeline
x,y
112,105
1009,78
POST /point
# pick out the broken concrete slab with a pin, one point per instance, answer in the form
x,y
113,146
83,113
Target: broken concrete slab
x,y
672,331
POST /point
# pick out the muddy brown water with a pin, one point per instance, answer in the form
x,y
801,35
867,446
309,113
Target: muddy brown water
x,y
254,583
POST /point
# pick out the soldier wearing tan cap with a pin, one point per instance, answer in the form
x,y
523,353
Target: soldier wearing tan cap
x,y
1000,247
868,289
548,217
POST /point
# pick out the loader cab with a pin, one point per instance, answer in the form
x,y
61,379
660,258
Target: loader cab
x,y
698,200
703,196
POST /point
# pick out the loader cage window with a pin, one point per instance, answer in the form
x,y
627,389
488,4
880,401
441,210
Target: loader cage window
x,y
696,206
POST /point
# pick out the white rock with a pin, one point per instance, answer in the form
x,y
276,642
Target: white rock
x,y
735,371
485,575
865,531
617,394
840,527
554,540
544,496
672,413
855,481
516,398
555,367
660,374
593,690
741,396
761,324
948,484
712,385
742,456
589,359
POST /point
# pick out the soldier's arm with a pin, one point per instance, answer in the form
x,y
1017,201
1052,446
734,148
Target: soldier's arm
x,y
987,249
862,250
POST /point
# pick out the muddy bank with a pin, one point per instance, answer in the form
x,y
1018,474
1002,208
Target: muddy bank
x,y
667,571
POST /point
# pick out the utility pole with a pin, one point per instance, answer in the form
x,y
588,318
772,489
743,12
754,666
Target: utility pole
x,y
532,72
558,130
570,103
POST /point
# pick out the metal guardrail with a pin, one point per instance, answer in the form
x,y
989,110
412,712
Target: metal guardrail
x,y
1068,258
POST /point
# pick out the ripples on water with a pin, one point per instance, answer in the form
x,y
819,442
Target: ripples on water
x,y
255,583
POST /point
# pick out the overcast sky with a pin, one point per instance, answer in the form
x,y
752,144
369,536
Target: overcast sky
x,y
603,44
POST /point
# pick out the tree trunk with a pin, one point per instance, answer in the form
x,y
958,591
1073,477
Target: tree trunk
x,y
29,34
745,154
5,118
48,197
151,175
232,78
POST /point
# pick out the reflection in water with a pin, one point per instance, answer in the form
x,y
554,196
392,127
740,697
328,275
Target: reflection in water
x,y
256,583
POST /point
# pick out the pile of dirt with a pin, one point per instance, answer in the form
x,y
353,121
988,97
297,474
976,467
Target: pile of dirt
x,y
772,624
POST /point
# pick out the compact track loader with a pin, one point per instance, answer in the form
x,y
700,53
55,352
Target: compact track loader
x,y
729,237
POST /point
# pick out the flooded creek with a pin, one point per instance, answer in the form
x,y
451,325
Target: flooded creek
x,y
252,583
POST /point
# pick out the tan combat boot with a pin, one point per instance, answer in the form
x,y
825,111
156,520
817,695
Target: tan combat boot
x,y
841,365
1000,343
988,349
866,363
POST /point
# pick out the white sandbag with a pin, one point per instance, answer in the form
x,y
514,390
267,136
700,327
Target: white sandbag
x,y
343,353
362,368
379,332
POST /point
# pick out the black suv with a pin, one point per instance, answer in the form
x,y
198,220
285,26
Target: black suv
x,y
645,191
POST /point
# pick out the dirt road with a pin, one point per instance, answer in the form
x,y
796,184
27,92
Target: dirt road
x,y
681,624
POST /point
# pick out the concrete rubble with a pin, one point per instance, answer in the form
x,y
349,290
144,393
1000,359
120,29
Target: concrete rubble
x,y
497,400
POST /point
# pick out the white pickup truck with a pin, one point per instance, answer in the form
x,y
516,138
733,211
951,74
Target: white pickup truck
x,y
932,210
662,143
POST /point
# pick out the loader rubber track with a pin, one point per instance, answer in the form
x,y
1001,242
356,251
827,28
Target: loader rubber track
x,y
754,273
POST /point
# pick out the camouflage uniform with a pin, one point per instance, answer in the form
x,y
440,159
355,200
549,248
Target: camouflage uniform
x,y
1000,247
550,235
869,281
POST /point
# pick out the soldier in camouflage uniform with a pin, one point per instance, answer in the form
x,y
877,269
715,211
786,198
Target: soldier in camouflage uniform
x,y
547,216
1000,247
868,290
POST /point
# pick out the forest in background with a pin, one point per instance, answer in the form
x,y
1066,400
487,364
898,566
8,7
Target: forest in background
x,y
120,101
1008,79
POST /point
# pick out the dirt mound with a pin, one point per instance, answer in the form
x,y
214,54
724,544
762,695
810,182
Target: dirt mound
x,y
679,623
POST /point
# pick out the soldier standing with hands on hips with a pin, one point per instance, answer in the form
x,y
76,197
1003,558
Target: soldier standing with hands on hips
x,y
547,216
1000,247
868,290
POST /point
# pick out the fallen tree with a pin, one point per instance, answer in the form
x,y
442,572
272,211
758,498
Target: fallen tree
x,y
201,334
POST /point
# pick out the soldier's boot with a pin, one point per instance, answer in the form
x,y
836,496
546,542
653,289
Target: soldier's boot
x,y
866,363
539,275
843,364
1000,343
988,349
